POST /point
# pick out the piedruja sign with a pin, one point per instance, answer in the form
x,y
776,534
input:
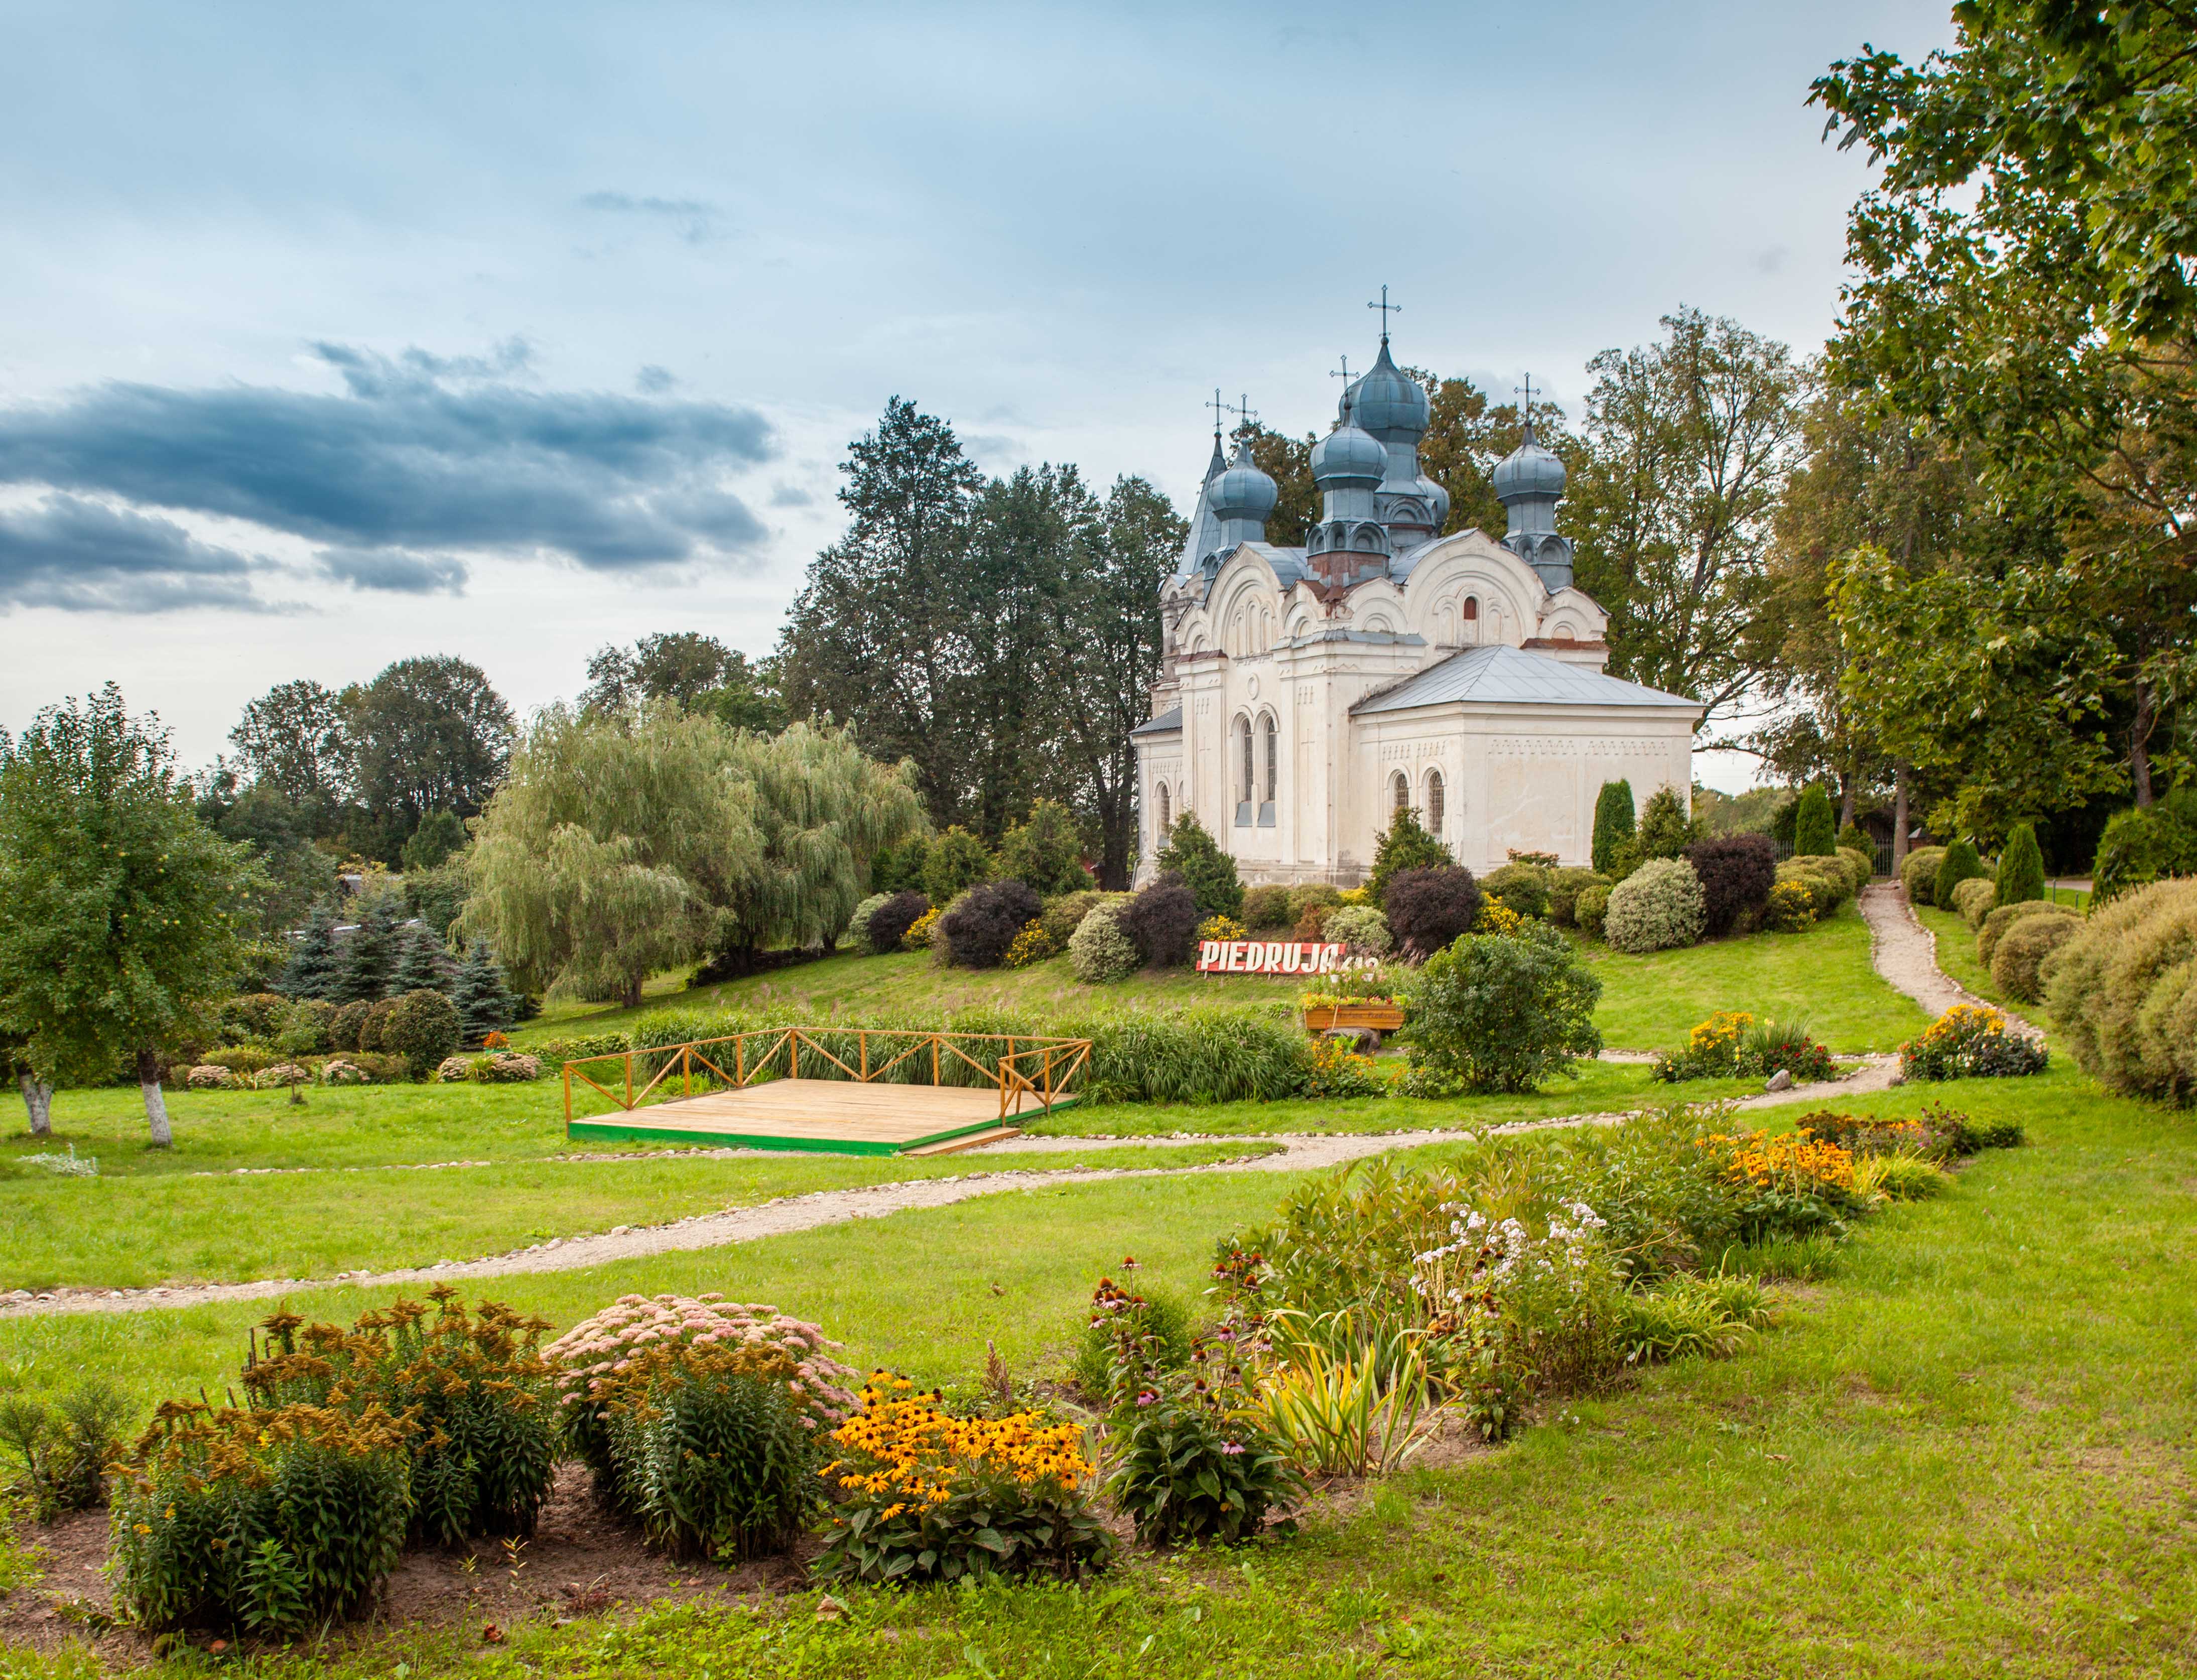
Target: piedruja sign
x,y
1261,956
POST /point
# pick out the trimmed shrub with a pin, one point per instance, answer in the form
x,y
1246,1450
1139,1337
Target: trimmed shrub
x,y
1503,1011
1736,873
1972,899
1614,821
1960,863
1665,830
2119,991
2020,867
956,862
242,1059
1099,951
1062,916
2019,954
1919,873
1045,853
1828,881
1522,889
2004,917
1266,910
1362,928
1195,857
858,925
1863,862
920,931
2144,844
1309,902
255,1017
1565,885
1791,907
1428,909
1814,828
890,921
1162,921
345,1025
1853,837
977,932
375,1024
1590,909
1403,844
423,1028
1657,907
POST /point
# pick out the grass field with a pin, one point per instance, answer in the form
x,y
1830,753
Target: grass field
x,y
1956,955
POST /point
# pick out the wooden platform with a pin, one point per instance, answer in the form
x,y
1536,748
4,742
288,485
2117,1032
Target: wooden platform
x,y
824,1116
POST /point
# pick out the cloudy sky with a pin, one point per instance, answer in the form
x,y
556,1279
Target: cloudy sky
x,y
333,335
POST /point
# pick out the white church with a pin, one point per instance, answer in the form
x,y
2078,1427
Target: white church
x,y
1307,694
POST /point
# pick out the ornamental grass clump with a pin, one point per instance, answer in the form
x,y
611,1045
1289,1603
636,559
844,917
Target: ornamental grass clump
x,y
701,1418
1208,1054
259,1521
1971,1041
925,1495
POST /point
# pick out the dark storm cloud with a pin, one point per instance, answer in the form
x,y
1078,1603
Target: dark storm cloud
x,y
395,571
420,453
85,556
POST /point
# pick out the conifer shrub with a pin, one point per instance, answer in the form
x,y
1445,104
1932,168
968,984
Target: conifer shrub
x,y
2017,959
1814,828
1565,885
2021,875
1162,921
1613,820
422,963
1045,853
1657,907
1099,951
1665,831
1737,872
1405,844
1919,873
1194,857
977,932
890,921
1428,909
1972,899
2119,991
313,968
1960,863
2005,916
1590,909
1266,910
1502,1012
2144,844
486,1004
423,1027
956,861
346,1025
1522,889
1362,928
858,925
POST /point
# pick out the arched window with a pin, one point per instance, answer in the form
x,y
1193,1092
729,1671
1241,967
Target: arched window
x,y
1434,802
1272,744
1471,616
1243,759
1165,824
1399,786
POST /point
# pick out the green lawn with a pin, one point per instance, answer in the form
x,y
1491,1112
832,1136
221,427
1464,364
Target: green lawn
x,y
1964,1454
1956,955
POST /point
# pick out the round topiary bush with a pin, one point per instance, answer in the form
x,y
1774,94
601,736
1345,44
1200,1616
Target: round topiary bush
x,y
1426,909
890,922
1565,885
2021,953
1523,888
2119,991
1972,899
1861,862
1062,916
2004,917
343,1025
1099,951
1267,909
1737,872
982,924
423,1028
375,1025
858,925
1590,909
1657,907
1161,922
1363,928
1918,874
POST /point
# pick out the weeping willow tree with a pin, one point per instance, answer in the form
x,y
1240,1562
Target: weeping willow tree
x,y
622,845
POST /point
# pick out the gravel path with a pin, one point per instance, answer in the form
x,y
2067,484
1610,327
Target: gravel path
x,y
1903,950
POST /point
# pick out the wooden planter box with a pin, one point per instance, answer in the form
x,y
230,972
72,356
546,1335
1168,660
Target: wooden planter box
x,y
1381,1017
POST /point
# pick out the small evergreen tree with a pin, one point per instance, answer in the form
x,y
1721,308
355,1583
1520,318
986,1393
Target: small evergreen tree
x,y
315,965
439,834
1206,870
422,964
1814,828
1045,854
1854,835
1405,845
1612,823
484,1002
1665,830
2020,867
899,869
370,956
956,861
1960,863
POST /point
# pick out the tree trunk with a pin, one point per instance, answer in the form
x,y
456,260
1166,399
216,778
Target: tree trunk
x,y
633,995
2140,743
156,1106
38,1098
1848,785
1899,817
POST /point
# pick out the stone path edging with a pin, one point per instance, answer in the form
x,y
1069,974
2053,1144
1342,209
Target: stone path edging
x,y
1906,953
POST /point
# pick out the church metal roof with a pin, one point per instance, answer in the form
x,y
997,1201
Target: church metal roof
x,y
1169,723
1505,675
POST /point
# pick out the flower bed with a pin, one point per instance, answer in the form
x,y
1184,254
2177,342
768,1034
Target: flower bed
x,y
1733,1043
1971,1041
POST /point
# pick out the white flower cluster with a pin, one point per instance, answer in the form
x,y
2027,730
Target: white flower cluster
x,y
590,1352
1505,1253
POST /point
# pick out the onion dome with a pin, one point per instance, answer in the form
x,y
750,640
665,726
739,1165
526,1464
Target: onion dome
x,y
1387,401
1243,492
1349,457
1528,470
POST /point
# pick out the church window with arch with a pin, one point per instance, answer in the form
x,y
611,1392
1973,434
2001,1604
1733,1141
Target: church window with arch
x,y
1400,790
1435,801
1243,758
1271,742
1164,814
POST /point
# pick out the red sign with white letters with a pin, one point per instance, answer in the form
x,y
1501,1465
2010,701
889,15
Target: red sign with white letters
x,y
1262,956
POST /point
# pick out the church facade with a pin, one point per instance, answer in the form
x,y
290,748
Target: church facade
x,y
1305,694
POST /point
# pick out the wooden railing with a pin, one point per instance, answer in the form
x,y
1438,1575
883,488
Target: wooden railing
x,y
1029,1066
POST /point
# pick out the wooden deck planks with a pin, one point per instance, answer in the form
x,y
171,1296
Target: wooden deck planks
x,y
829,1115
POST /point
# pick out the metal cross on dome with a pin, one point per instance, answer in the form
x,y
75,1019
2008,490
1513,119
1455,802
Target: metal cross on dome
x,y
1525,413
1218,408
1242,408
1387,310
